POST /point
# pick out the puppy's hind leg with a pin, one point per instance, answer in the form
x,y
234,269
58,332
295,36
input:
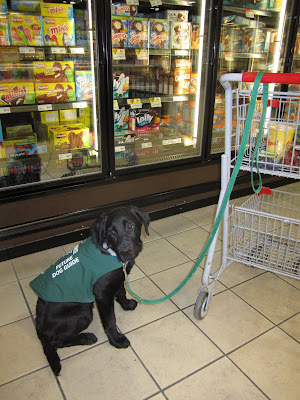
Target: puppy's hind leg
x,y
50,353
79,340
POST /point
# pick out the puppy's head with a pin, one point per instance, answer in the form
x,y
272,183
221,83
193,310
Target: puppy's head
x,y
120,231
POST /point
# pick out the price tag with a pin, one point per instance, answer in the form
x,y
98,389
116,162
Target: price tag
x,y
141,54
80,104
155,3
146,145
66,156
134,103
249,13
27,50
58,50
77,50
176,141
119,149
133,2
167,142
4,110
155,101
44,107
116,105
118,54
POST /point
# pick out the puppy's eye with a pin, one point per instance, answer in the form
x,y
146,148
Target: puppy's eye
x,y
130,227
114,233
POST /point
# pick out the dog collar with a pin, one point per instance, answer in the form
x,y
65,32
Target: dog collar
x,y
111,252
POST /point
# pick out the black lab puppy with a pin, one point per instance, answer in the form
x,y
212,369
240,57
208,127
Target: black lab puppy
x,y
91,272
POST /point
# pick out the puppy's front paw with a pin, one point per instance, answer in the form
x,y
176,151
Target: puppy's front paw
x,y
120,342
129,304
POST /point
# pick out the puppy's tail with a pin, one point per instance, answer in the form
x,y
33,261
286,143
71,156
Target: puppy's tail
x,y
50,353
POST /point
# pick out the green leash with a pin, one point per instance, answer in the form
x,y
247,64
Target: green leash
x,y
226,195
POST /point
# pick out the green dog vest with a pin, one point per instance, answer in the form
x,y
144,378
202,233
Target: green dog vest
x,y
72,277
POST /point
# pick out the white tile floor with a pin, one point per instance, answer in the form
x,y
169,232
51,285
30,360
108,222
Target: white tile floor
x,y
247,347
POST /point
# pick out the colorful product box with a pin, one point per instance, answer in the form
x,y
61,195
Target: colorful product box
x,y
143,120
195,36
193,83
182,76
119,31
55,92
4,31
30,5
120,85
3,7
18,131
53,71
180,35
123,9
57,10
84,85
159,32
59,31
72,136
121,118
17,93
138,33
26,30
177,15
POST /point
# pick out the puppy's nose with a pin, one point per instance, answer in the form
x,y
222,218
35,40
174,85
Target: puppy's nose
x,y
125,252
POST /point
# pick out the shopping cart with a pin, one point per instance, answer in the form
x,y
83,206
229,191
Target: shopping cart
x,y
265,230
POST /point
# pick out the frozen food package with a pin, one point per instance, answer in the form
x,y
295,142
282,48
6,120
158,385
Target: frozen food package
x,y
121,118
59,31
120,85
17,93
119,31
4,31
143,120
84,85
53,71
55,92
180,35
70,136
182,76
138,33
26,30
122,9
3,7
57,10
25,5
159,34
177,15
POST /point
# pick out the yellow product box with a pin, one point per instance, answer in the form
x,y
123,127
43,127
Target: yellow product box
x,y
84,112
70,136
53,71
17,93
19,141
49,117
59,31
57,10
26,30
55,92
87,121
67,115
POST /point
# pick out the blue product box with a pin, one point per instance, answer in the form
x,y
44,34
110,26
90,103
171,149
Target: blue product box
x,y
83,85
138,33
159,34
121,118
119,31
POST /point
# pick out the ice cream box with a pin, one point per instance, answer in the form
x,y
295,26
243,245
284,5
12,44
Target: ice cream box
x,y
30,5
53,71
26,30
253,40
123,9
182,76
70,136
4,31
195,36
59,31
193,83
180,35
55,92
84,85
18,131
3,7
121,118
57,10
119,31
67,115
19,141
177,15
159,32
49,117
17,93
138,33
120,85
143,120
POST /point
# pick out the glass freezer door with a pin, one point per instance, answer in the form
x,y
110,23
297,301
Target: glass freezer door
x,y
159,55
48,69
253,38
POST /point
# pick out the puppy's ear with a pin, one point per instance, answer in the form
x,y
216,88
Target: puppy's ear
x,y
98,231
142,216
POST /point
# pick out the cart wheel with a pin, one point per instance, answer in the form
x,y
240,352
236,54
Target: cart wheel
x,y
201,306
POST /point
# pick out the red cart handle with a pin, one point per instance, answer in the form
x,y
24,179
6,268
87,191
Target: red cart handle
x,y
273,78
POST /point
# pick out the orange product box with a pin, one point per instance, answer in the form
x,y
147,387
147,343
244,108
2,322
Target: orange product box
x,y
26,30
53,71
57,10
193,83
4,32
55,92
70,136
59,31
182,76
17,93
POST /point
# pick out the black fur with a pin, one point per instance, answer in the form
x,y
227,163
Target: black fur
x,y
60,324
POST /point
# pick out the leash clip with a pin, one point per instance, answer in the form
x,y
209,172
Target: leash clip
x,y
124,268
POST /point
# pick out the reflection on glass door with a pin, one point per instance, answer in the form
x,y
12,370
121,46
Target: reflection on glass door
x,y
48,127
158,55
252,39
